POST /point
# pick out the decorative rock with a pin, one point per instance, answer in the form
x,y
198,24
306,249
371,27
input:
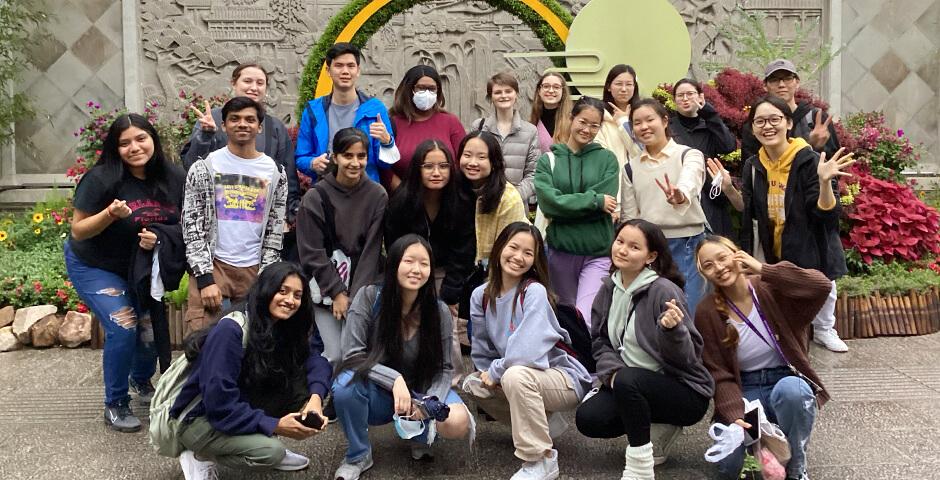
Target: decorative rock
x,y
8,341
6,316
45,333
26,317
75,329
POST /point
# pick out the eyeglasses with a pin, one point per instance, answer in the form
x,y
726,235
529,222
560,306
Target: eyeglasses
x,y
773,120
546,86
687,95
425,88
784,79
591,126
430,167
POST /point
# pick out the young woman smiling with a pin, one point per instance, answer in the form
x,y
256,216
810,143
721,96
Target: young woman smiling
x,y
418,115
648,190
752,327
789,190
339,230
551,110
396,347
579,192
648,352
518,140
621,93
523,377
699,126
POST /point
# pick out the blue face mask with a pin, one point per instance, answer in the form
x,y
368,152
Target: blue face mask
x,y
408,428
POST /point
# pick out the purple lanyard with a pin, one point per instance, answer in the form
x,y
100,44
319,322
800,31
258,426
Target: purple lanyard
x,y
760,313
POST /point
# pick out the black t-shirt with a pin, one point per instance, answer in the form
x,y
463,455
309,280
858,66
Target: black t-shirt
x,y
111,249
548,119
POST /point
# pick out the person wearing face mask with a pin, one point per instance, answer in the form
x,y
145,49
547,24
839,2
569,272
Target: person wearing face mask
x,y
551,110
248,80
699,126
663,185
518,139
789,197
396,354
418,115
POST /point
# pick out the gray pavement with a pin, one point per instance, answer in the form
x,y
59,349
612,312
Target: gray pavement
x,y
883,423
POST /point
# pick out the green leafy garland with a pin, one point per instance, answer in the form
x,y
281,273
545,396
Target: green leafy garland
x,y
308,80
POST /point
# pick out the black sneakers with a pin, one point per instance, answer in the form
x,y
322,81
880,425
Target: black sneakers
x,y
144,391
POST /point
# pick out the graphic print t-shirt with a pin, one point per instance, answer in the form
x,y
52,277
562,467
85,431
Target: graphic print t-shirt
x,y
242,196
111,249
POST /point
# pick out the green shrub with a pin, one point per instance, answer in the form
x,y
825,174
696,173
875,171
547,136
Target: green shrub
x,y
890,279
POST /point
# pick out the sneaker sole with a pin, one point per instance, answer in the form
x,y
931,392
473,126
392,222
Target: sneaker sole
x,y
292,468
827,347
666,448
422,457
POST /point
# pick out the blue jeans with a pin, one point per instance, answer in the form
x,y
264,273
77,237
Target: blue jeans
x,y
683,253
789,402
112,300
361,404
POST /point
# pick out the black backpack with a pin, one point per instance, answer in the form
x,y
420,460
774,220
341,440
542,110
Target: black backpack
x,y
571,320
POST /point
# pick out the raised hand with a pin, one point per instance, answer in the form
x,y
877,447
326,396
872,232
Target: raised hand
x,y
618,114
206,122
715,168
828,169
119,209
748,264
820,133
673,195
672,316
378,131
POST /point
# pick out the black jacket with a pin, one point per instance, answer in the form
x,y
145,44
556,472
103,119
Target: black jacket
x,y
810,236
709,135
172,258
804,119
453,240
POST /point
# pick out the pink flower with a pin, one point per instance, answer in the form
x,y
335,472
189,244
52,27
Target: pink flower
x,y
900,133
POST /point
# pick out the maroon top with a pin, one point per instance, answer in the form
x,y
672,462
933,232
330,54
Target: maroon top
x,y
443,126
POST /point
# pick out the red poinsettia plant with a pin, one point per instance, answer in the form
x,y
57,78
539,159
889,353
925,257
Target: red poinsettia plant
x,y
888,222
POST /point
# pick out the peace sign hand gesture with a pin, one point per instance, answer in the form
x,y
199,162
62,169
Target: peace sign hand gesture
x,y
820,134
828,169
206,122
618,114
673,195
672,316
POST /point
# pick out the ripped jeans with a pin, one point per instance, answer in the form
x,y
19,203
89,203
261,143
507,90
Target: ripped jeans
x,y
127,353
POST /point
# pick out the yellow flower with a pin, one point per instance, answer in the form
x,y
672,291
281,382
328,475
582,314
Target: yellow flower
x,y
3,236
37,231
38,217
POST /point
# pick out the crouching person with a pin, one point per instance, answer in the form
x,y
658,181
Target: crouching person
x,y
525,378
648,351
397,353
253,376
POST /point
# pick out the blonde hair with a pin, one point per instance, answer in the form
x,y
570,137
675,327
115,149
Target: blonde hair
x,y
731,333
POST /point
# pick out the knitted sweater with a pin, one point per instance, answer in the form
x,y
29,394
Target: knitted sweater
x,y
488,225
790,297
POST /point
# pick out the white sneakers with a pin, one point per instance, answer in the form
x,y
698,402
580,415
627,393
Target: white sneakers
x,y
546,468
830,339
194,469
292,462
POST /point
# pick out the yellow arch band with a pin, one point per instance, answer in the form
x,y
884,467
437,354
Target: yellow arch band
x,y
325,84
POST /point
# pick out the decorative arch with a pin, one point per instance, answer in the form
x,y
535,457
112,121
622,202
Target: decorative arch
x,y
360,19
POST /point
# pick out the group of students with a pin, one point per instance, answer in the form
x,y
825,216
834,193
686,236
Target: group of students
x,y
356,290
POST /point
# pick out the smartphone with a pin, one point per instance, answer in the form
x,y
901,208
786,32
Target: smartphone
x,y
753,419
313,421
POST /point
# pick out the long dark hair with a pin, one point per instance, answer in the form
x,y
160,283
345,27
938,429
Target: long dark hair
x,y
386,344
495,185
407,200
404,104
538,272
656,241
157,170
777,102
276,350
615,72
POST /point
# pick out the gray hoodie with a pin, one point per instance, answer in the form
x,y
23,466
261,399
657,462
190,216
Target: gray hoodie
x,y
678,350
502,340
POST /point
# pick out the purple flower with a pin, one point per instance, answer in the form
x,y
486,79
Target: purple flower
x,y
900,132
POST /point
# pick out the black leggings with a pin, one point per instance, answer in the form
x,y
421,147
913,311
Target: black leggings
x,y
640,397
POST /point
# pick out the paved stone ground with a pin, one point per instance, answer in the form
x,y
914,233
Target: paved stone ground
x,y
883,423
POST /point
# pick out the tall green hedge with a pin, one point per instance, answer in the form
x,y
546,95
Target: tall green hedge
x,y
308,81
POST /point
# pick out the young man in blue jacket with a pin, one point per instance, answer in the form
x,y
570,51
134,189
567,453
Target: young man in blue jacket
x,y
343,107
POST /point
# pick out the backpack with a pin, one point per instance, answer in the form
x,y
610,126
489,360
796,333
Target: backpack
x,y
570,319
628,169
164,429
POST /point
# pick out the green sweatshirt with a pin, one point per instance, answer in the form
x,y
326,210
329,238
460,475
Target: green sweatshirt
x,y
572,196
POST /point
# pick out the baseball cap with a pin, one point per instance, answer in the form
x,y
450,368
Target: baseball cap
x,y
777,65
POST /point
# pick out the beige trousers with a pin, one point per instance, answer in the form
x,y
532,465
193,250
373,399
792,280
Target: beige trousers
x,y
524,400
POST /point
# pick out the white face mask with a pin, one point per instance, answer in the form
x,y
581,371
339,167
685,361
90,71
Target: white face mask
x,y
425,100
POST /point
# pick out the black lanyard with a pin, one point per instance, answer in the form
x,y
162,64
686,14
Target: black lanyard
x,y
760,313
